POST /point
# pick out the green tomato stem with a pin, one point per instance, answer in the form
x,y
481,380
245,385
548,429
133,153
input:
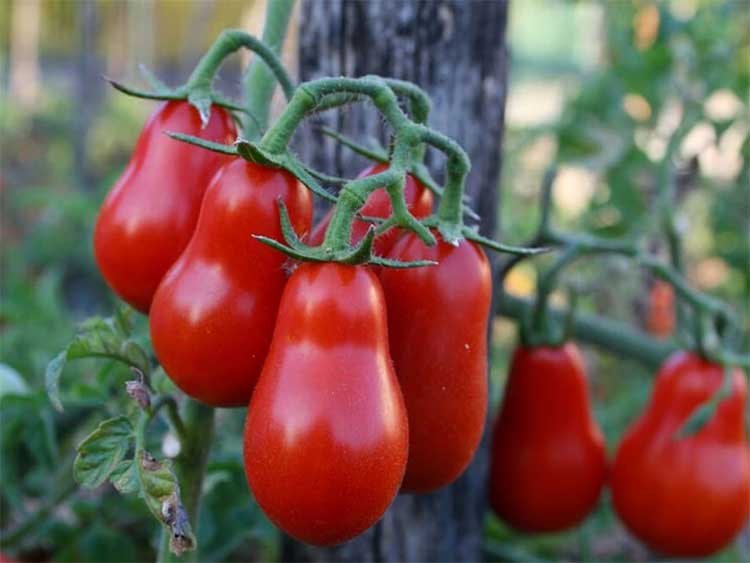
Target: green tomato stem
x,y
616,337
408,138
228,42
259,86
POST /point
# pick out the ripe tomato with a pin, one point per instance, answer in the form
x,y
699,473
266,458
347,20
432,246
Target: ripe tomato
x,y
378,204
213,314
547,458
326,435
149,215
437,323
685,496
661,310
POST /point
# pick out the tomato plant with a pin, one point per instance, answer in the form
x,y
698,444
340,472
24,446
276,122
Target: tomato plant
x,y
378,204
149,215
685,496
213,314
361,347
437,323
326,436
548,462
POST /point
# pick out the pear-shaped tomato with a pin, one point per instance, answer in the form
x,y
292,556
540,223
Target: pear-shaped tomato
x,y
326,434
149,215
213,314
547,457
437,323
378,204
662,316
685,496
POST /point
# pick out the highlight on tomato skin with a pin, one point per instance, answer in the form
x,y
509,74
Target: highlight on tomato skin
x,y
547,458
326,435
418,200
685,496
437,327
213,314
150,213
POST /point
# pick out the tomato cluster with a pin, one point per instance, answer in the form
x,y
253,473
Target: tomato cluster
x,y
344,410
685,496
363,382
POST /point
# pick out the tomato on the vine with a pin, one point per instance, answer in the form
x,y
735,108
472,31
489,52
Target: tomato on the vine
x,y
149,215
661,310
685,496
214,312
378,204
548,463
326,435
437,325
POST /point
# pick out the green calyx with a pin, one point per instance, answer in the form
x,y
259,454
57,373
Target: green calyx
x,y
359,254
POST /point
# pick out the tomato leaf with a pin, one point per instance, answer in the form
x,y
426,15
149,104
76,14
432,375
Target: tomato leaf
x,y
98,338
161,492
124,477
11,382
52,378
102,451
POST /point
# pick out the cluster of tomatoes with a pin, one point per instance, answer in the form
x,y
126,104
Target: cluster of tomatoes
x,y
363,382
348,405
685,496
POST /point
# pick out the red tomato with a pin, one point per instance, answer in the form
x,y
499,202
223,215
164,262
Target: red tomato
x,y
661,310
378,204
437,323
149,215
685,496
213,314
547,458
326,435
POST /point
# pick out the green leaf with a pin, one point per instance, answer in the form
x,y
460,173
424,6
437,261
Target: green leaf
x,y
161,492
11,382
101,452
52,379
98,338
125,478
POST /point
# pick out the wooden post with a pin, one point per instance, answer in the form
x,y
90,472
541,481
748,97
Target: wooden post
x,y
456,51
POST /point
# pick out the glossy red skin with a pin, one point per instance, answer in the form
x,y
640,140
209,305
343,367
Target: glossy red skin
x,y
214,312
326,435
437,323
149,215
685,496
378,204
547,460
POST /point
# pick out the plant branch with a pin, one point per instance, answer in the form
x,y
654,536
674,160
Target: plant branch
x,y
259,85
615,337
